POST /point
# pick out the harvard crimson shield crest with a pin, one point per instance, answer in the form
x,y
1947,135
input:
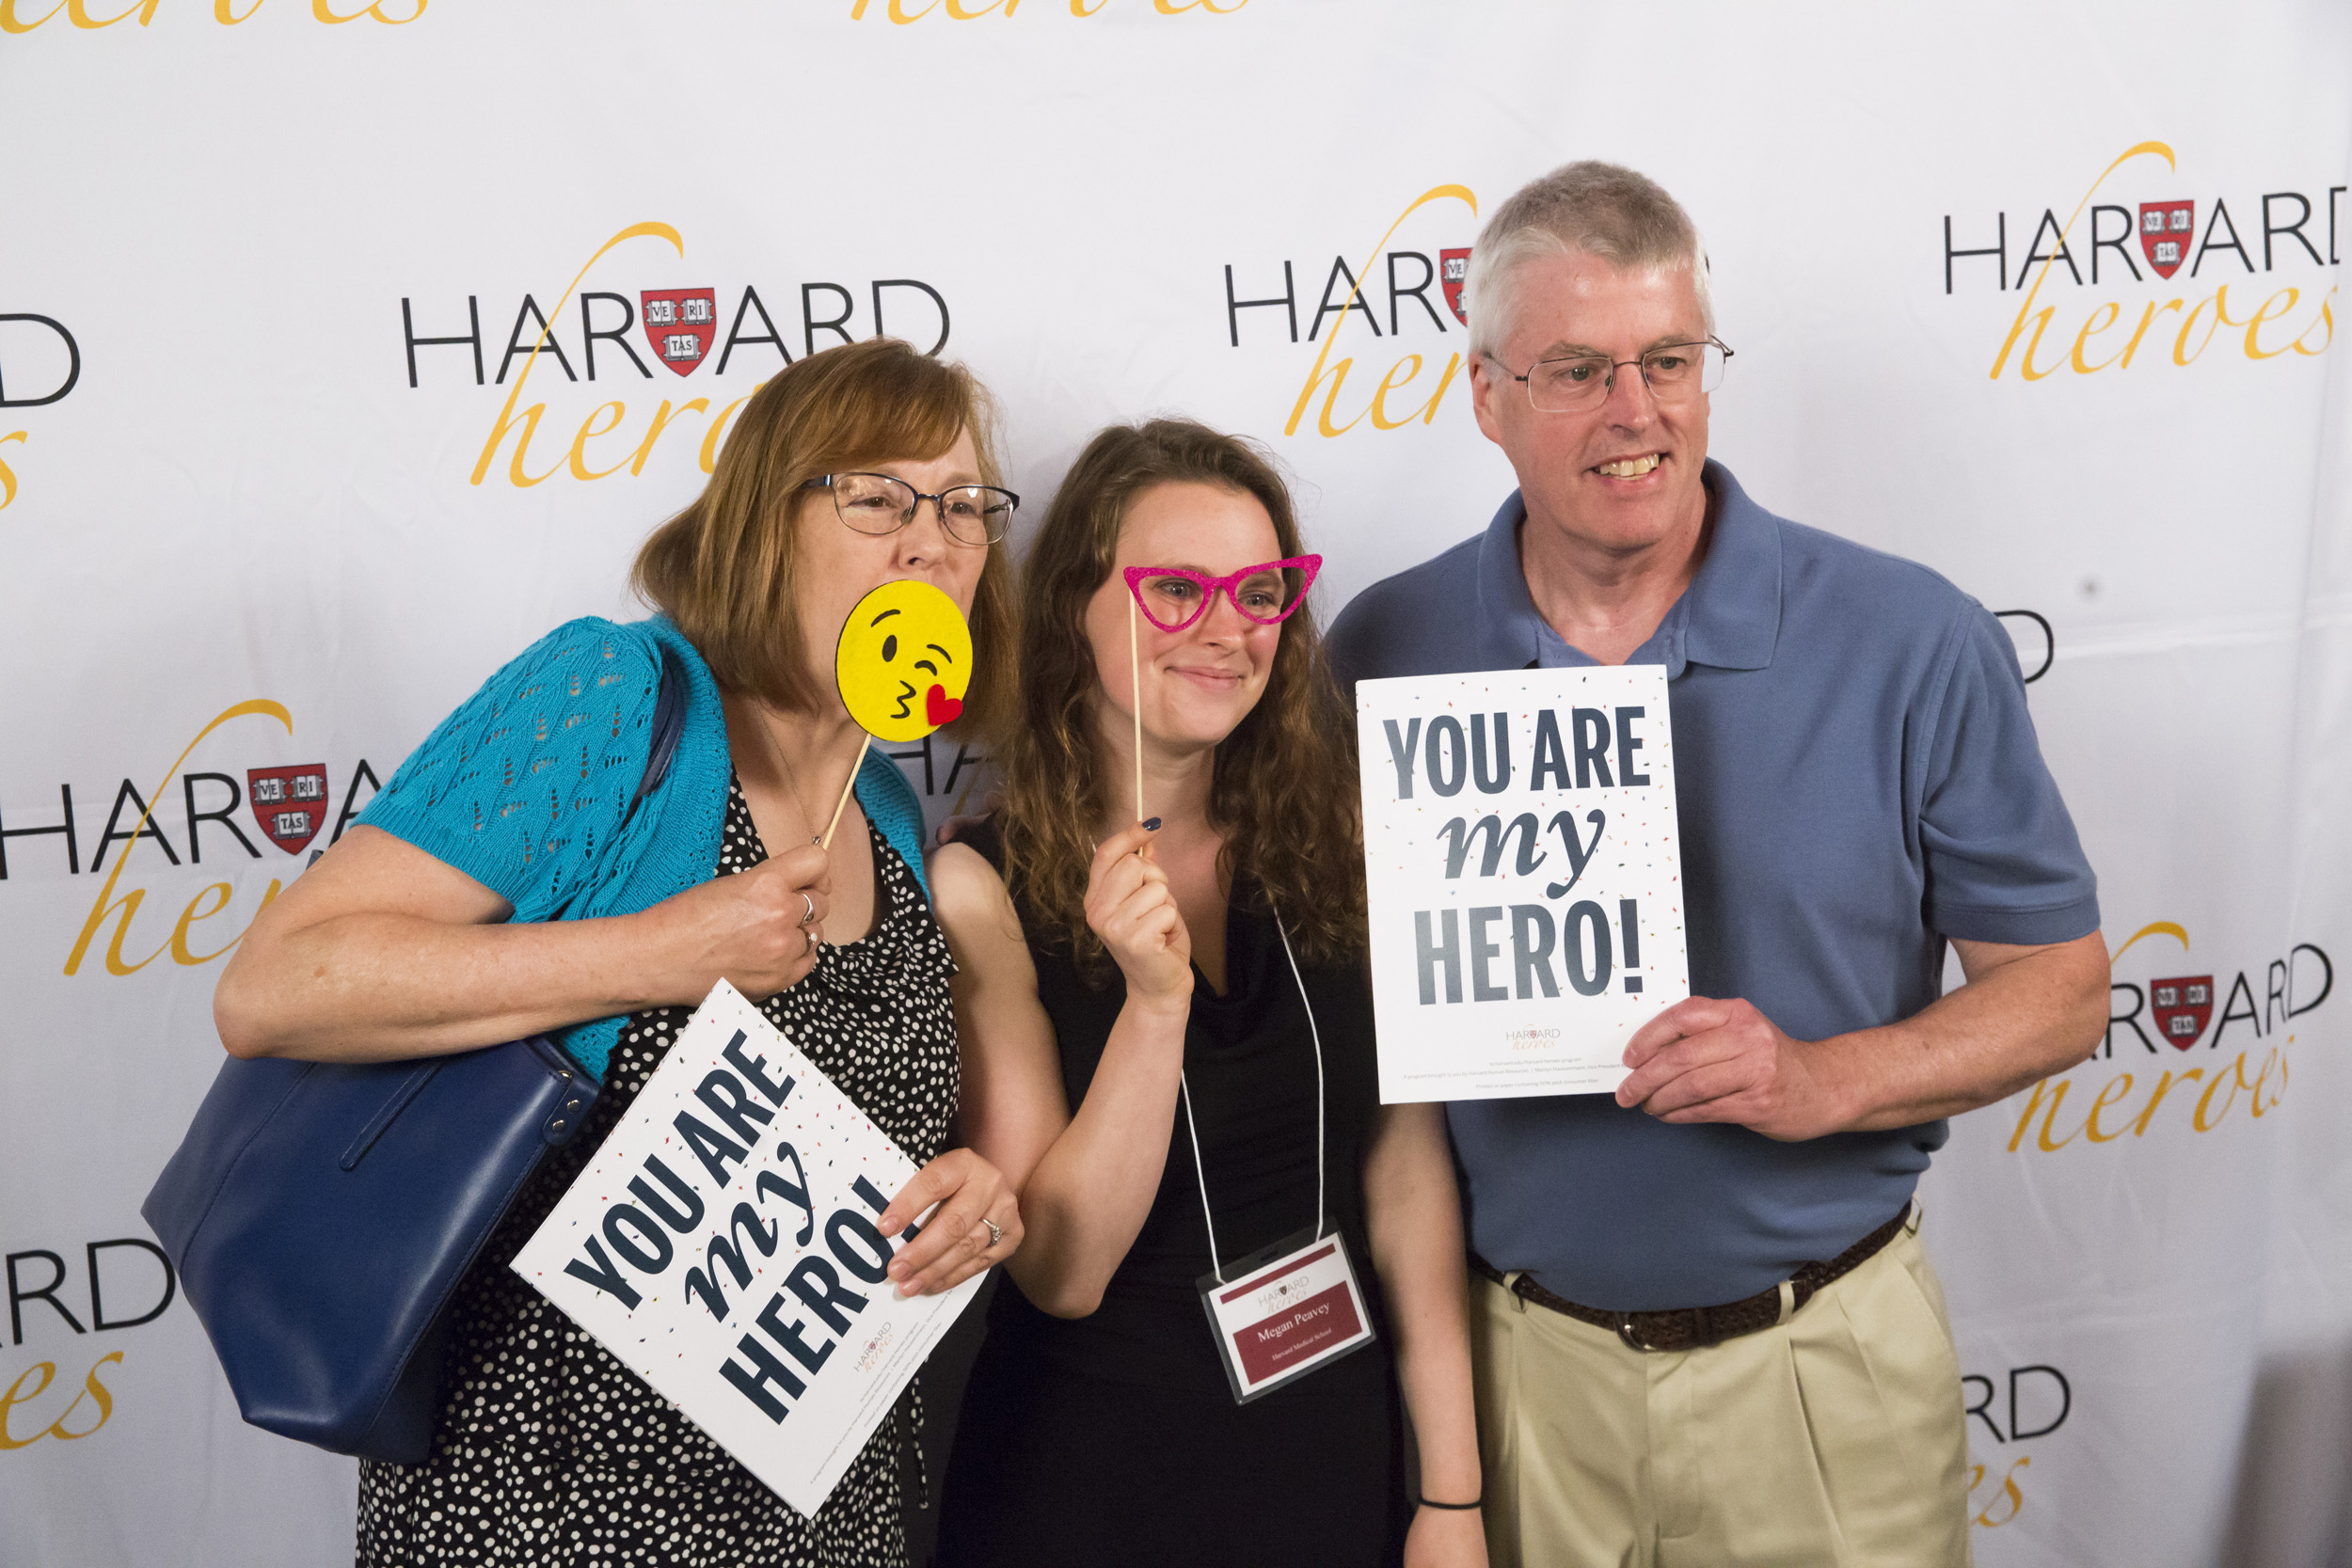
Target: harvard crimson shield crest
x,y
2165,230
679,323
1453,272
289,803
2183,1007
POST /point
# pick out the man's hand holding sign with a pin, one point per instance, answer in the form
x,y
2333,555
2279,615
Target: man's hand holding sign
x,y
1709,1060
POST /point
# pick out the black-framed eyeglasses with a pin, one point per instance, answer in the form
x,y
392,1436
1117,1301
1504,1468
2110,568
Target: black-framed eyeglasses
x,y
1675,373
878,504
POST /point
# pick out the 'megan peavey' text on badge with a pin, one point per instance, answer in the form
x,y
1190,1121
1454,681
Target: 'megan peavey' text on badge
x,y
1525,872
1285,1311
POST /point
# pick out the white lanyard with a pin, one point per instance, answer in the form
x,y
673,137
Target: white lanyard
x,y
1313,1034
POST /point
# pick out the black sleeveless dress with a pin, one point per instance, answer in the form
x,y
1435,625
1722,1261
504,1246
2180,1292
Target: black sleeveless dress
x,y
1114,1438
549,1452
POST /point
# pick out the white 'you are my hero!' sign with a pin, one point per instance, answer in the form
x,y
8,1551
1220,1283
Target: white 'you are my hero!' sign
x,y
1525,872
722,1243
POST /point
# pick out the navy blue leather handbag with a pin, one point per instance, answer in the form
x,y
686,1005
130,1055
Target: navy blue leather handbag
x,y
321,1214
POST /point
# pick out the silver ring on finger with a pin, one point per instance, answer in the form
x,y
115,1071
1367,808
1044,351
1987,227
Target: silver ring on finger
x,y
808,906
995,1233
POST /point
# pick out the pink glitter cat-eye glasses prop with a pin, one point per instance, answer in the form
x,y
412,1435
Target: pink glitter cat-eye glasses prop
x,y
1173,598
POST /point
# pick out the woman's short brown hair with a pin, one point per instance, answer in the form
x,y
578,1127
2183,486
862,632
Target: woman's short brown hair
x,y
723,569
1284,792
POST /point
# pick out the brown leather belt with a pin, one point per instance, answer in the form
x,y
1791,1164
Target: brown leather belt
x,y
1695,1327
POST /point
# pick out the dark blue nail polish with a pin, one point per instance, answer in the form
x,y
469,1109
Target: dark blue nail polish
x,y
1151,824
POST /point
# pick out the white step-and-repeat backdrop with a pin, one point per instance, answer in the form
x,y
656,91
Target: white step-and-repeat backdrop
x,y
2043,297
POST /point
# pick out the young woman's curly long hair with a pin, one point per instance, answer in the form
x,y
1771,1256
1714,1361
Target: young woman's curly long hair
x,y
1284,792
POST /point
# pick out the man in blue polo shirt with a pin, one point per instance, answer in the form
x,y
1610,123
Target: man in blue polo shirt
x,y
1705,1330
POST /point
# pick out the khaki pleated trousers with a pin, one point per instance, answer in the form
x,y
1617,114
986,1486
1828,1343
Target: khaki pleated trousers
x,y
1833,1440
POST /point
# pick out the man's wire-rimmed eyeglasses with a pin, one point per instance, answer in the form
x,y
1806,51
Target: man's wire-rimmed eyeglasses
x,y
1675,373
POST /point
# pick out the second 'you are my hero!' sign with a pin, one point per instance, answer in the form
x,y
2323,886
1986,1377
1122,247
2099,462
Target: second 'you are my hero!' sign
x,y
722,1244
1525,871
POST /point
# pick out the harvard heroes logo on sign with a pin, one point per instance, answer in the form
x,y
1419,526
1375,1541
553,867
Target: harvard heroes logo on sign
x,y
680,324
289,803
2165,228
1377,299
2254,279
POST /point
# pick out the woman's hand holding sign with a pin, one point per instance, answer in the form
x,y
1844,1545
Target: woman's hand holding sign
x,y
977,1224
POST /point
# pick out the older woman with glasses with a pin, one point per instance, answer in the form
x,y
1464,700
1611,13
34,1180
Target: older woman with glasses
x,y
1235,1255
439,924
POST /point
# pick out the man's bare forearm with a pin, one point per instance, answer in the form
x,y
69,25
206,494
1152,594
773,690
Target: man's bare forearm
x,y
2014,1021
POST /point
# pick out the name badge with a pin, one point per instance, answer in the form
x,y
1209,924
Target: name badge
x,y
1284,1311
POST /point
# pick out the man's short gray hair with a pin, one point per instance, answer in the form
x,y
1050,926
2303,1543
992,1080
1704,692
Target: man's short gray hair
x,y
1604,210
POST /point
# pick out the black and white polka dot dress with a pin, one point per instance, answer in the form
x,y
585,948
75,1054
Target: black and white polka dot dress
x,y
553,1455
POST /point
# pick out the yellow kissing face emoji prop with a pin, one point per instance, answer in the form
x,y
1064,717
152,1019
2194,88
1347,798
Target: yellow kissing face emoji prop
x,y
904,661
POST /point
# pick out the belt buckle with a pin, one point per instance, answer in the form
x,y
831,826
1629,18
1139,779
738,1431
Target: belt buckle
x,y
1702,1331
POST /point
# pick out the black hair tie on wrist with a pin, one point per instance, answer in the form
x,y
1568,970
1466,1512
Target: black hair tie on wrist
x,y
1458,1508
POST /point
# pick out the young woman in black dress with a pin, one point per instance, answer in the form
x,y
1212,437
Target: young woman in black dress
x,y
1143,1059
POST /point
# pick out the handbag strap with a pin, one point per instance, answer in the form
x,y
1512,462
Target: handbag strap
x,y
668,722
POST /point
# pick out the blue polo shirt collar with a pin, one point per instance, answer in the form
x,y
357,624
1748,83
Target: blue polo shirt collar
x,y
1729,618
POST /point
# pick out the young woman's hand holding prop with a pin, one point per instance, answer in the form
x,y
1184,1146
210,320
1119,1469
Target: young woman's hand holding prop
x,y
1129,906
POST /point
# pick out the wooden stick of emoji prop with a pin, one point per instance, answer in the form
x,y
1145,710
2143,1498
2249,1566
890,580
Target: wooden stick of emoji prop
x,y
1135,676
902,665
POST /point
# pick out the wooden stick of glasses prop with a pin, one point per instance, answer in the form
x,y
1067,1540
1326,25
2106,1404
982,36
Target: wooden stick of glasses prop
x,y
902,665
1135,678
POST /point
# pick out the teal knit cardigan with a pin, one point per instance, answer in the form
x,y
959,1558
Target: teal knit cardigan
x,y
524,787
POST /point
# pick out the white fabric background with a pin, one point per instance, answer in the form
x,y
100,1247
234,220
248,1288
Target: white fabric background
x,y
243,497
